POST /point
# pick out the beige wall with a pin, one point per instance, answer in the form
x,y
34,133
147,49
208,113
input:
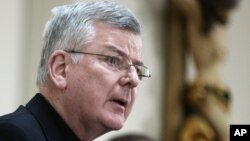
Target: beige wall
x,y
236,70
10,39
22,22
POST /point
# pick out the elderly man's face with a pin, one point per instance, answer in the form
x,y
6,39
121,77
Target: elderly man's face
x,y
100,94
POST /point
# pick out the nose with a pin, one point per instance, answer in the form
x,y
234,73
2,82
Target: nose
x,y
131,78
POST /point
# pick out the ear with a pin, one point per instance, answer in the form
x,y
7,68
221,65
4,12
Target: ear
x,y
57,68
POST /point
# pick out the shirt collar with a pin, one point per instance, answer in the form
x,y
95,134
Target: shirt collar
x,y
52,124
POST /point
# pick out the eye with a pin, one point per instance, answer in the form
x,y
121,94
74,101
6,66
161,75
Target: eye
x,y
113,61
138,70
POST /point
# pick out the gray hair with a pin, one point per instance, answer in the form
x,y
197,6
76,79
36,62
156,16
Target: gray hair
x,y
71,27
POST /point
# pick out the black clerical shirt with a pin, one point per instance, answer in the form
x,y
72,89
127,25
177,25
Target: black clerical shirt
x,y
37,121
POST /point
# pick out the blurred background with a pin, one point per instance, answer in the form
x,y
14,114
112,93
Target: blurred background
x,y
22,23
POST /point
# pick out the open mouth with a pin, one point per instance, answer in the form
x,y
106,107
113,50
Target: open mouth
x,y
120,102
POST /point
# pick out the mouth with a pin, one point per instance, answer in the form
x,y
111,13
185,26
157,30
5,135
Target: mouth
x,y
121,102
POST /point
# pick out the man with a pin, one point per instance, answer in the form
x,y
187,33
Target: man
x,y
90,68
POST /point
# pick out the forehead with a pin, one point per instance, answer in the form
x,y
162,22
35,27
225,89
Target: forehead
x,y
108,38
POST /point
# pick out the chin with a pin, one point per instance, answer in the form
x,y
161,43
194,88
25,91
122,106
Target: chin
x,y
114,123
118,126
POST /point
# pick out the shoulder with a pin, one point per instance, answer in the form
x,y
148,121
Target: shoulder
x,y
19,118
20,125
11,132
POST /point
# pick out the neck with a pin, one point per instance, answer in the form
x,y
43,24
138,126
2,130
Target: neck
x,y
84,129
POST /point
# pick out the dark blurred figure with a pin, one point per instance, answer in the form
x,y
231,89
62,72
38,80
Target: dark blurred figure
x,y
132,137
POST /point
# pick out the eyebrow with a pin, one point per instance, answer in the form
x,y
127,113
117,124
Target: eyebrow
x,y
114,49
121,53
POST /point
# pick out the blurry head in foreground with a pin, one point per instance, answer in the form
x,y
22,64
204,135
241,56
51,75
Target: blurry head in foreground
x,y
132,137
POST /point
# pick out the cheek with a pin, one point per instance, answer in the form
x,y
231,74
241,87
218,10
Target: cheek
x,y
133,98
91,83
88,94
